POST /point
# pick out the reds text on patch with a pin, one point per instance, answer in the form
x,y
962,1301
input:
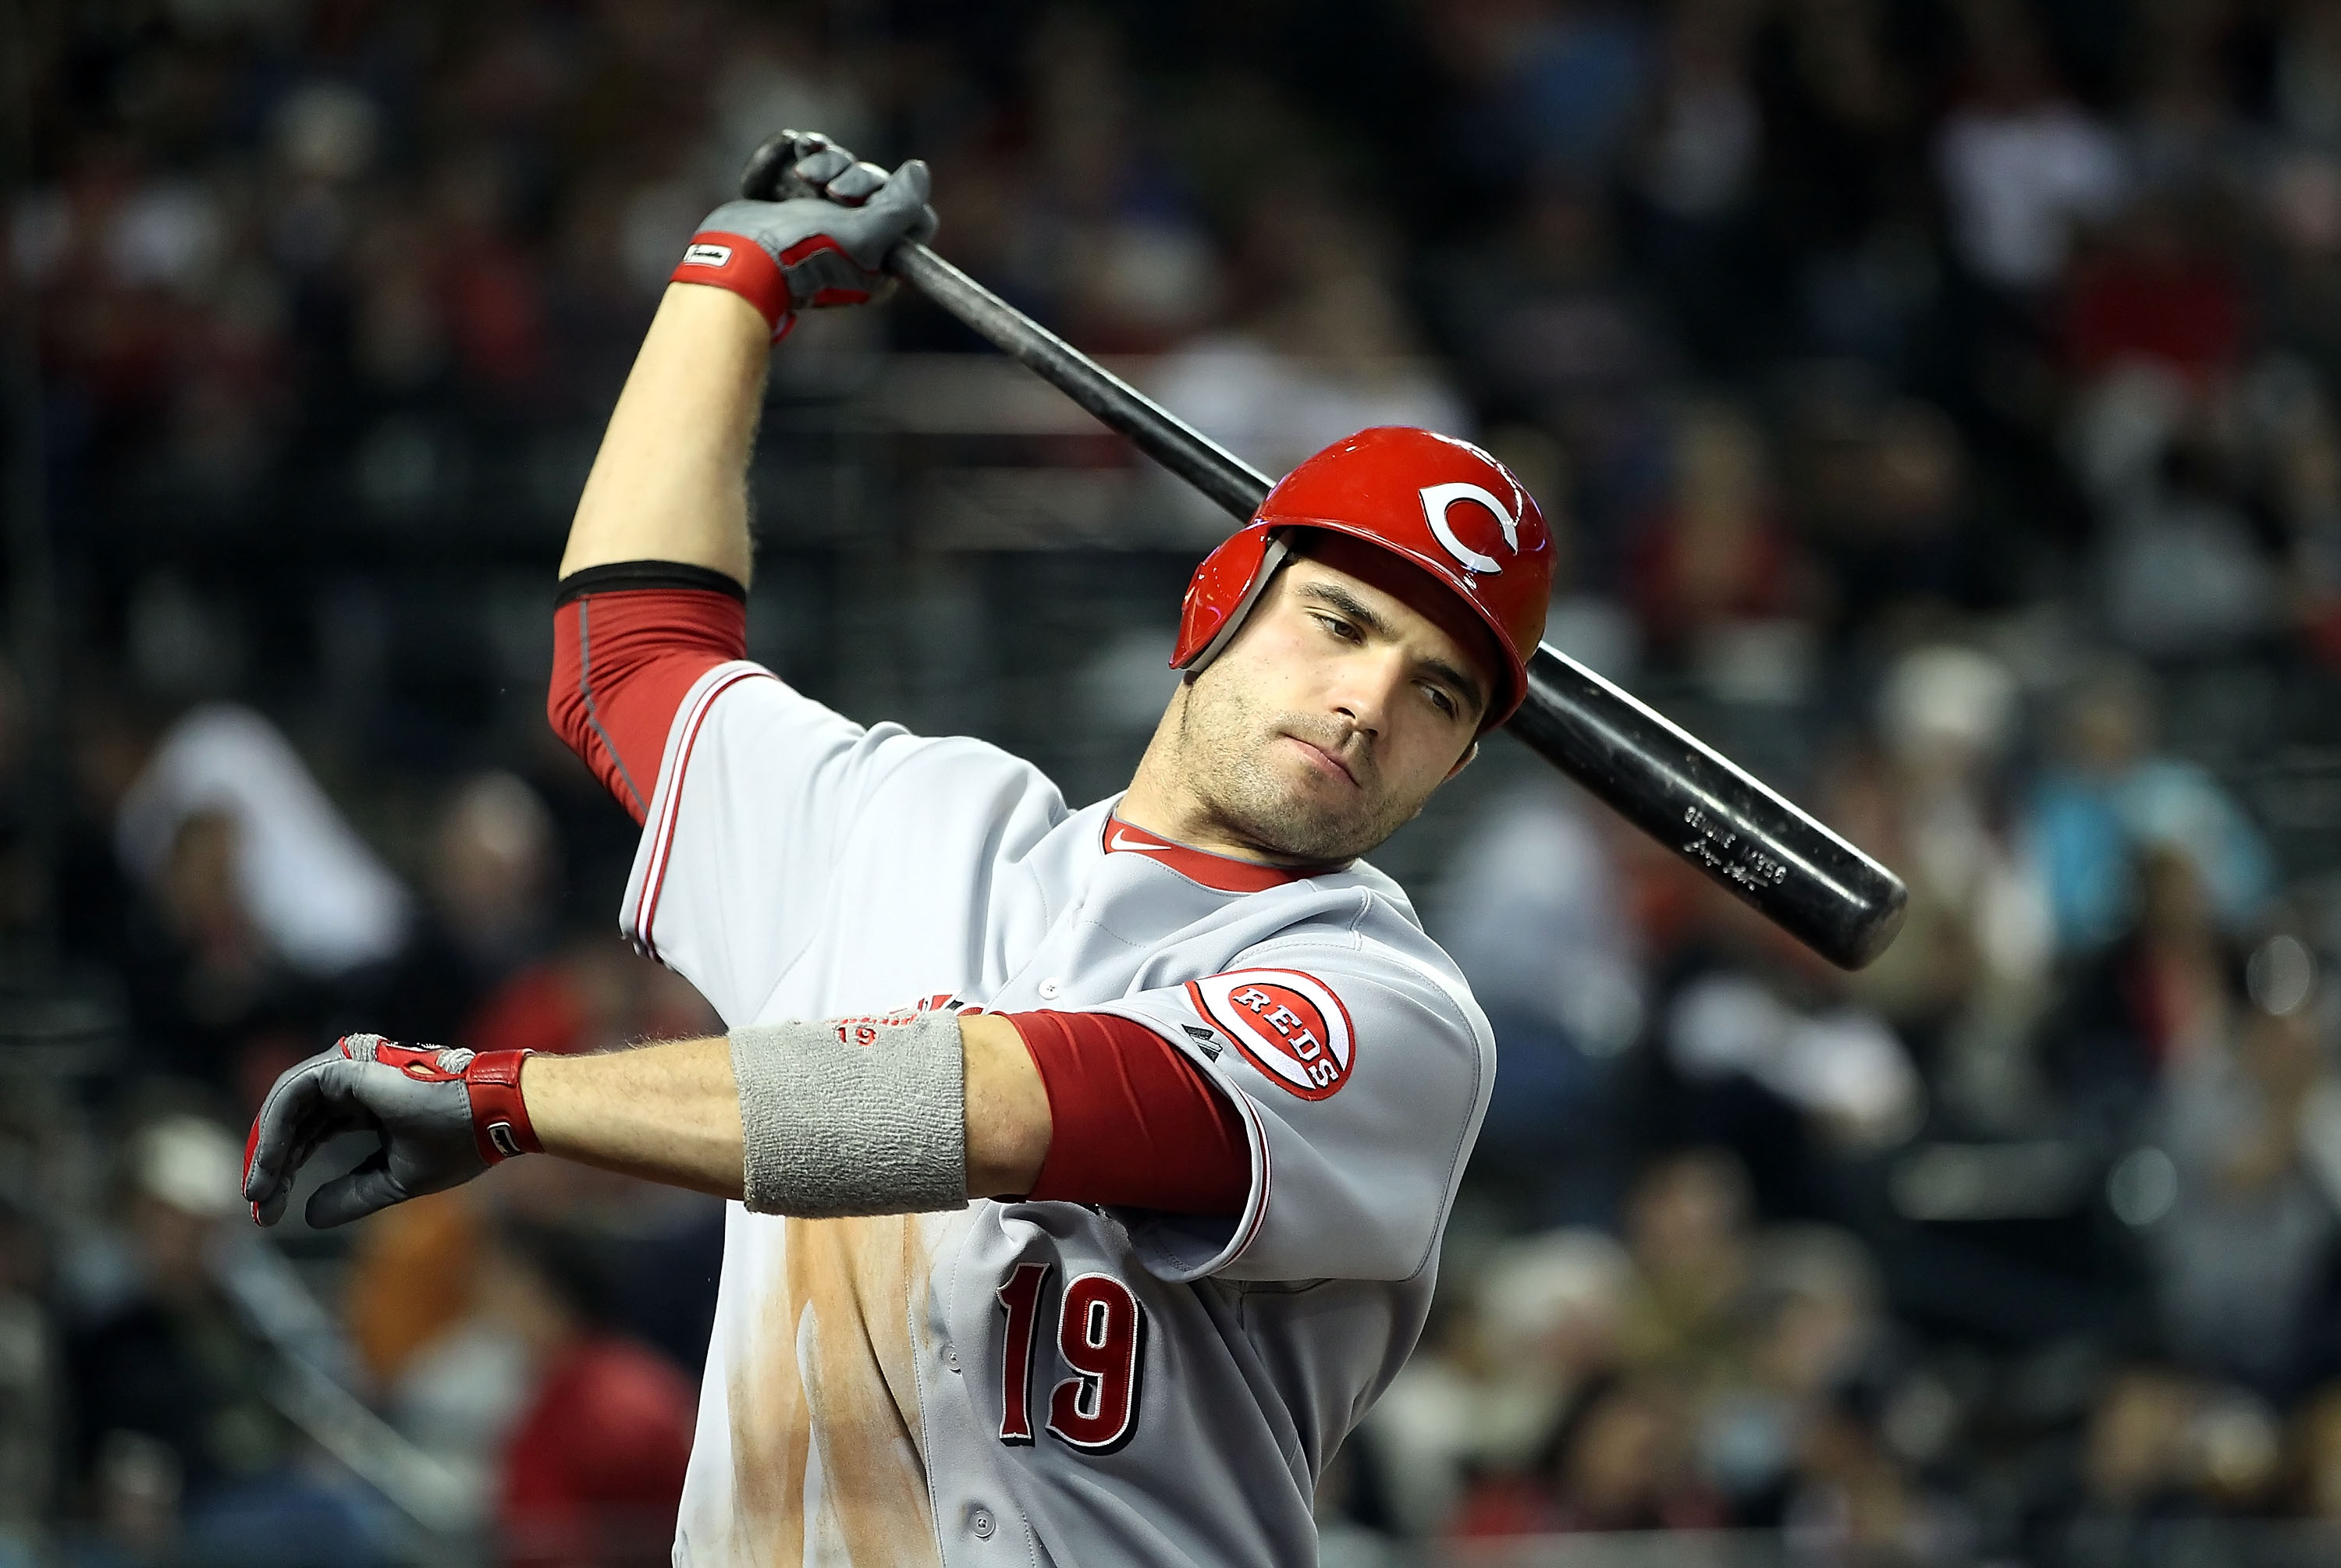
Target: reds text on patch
x,y
1288,1025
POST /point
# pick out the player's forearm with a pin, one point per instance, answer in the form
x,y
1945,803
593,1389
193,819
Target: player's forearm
x,y
670,1113
666,1113
1008,1118
669,481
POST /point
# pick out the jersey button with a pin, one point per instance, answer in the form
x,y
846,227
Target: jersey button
x,y
951,1357
1049,989
982,1522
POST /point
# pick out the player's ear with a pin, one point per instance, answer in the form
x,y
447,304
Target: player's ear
x,y
1463,761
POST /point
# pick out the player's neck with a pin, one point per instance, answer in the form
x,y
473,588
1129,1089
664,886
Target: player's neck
x,y
1162,803
1148,811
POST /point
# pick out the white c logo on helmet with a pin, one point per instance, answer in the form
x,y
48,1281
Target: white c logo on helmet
x,y
1438,498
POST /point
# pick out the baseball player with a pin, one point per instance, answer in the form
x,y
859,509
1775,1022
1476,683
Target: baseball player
x,y
1089,1166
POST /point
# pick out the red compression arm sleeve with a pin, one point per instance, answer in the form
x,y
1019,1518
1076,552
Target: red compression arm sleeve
x,y
1134,1122
621,663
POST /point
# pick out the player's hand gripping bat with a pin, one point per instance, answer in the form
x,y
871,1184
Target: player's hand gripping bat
x,y
1777,859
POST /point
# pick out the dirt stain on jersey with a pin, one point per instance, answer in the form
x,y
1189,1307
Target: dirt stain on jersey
x,y
836,1370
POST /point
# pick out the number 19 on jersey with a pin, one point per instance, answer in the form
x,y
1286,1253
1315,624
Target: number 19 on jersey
x,y
1100,1339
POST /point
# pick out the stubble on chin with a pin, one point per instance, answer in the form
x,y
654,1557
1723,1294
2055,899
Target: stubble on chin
x,y
1226,749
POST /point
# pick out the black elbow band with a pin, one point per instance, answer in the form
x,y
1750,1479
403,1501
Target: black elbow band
x,y
625,576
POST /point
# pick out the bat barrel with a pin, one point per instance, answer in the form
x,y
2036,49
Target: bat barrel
x,y
1773,856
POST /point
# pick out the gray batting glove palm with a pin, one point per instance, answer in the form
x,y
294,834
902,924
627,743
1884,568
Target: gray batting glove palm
x,y
823,222
441,1117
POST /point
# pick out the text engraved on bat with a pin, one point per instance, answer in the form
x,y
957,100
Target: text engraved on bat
x,y
1720,850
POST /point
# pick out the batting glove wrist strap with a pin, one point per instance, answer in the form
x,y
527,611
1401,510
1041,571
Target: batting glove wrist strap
x,y
728,261
499,1113
852,1116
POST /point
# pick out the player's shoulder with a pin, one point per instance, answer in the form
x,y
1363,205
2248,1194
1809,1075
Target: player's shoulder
x,y
1347,999
974,769
1358,909
746,707
1357,927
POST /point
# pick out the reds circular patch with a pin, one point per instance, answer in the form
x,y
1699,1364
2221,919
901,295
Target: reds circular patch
x,y
1288,1025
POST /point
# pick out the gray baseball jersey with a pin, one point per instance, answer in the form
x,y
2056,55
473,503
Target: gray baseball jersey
x,y
1049,1382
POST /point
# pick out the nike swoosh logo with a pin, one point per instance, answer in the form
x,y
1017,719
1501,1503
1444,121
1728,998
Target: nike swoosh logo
x,y
1119,842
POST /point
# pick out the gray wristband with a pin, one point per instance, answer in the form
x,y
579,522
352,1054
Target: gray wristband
x,y
853,1116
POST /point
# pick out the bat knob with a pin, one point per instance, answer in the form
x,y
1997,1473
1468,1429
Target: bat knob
x,y
769,173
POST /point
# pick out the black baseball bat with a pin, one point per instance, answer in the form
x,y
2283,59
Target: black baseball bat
x,y
1776,858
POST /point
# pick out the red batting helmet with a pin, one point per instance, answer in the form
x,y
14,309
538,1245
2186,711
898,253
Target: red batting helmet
x,y
1441,503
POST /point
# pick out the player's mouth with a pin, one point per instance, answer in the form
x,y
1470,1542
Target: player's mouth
x,y
1324,762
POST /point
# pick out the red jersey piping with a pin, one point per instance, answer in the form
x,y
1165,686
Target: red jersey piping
x,y
1221,873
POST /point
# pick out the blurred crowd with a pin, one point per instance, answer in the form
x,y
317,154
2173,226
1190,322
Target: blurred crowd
x,y
1940,401
509,1362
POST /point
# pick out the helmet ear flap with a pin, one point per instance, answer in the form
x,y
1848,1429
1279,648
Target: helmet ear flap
x,y
1224,590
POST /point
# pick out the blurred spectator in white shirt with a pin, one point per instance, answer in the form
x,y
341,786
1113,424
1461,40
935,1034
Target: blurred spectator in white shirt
x,y
2022,165
1530,908
322,899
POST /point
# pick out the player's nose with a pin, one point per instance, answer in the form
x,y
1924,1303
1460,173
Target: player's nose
x,y
1365,685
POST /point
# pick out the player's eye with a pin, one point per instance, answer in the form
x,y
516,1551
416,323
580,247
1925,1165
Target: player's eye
x,y
1336,625
1443,702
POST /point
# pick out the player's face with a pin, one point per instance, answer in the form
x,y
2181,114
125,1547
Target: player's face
x,y
1354,689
